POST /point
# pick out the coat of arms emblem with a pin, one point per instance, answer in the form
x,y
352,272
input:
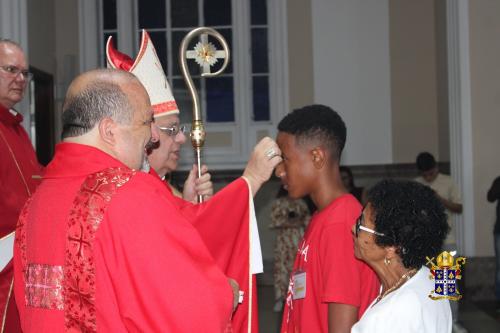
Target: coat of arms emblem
x,y
445,275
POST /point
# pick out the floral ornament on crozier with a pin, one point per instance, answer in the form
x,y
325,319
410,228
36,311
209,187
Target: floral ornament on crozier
x,y
205,54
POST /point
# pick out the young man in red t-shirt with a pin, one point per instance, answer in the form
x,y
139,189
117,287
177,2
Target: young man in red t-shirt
x,y
329,288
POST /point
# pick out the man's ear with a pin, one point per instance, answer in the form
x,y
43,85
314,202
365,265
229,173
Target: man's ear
x,y
107,131
318,156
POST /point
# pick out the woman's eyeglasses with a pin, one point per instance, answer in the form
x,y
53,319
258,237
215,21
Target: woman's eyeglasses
x,y
15,71
361,227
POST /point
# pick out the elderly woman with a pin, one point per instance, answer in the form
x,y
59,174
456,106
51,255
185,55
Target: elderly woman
x,y
402,223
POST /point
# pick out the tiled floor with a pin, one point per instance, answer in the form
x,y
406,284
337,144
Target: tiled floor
x,y
269,321
477,318
480,317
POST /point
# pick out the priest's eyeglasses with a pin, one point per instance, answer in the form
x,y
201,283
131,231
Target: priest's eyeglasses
x,y
15,71
362,227
173,130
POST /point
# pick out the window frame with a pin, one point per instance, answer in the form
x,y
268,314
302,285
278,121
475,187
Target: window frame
x,y
244,131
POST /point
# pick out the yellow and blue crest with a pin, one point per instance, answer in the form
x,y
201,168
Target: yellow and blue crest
x,y
445,275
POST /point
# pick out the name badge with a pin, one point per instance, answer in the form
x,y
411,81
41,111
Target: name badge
x,y
299,285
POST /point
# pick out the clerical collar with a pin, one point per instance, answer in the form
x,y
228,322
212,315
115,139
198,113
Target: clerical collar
x,y
10,116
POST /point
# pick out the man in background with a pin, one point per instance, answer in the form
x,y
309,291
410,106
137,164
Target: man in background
x,y
443,185
19,168
494,195
449,195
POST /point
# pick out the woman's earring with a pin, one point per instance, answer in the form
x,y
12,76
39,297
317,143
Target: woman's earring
x,y
387,262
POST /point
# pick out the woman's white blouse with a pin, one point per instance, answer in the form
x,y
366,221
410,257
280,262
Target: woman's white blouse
x,y
408,309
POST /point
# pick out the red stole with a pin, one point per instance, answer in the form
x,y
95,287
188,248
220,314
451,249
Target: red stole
x,y
74,284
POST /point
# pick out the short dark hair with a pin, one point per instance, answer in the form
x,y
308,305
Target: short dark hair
x,y
412,219
425,162
98,100
319,123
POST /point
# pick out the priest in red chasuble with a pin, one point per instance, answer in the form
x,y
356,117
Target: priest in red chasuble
x,y
100,247
226,222
19,171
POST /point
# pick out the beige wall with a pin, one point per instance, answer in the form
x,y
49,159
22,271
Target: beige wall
x,y
352,74
442,82
419,99
485,102
413,79
300,61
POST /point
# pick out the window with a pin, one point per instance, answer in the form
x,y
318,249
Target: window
x,y
109,26
168,21
239,106
260,62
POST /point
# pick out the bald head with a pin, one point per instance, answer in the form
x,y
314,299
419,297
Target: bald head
x,y
99,94
11,43
110,110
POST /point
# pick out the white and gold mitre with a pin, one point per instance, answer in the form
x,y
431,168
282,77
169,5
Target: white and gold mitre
x,y
147,68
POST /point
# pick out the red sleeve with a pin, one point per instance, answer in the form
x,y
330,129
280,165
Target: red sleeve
x,y
13,186
340,269
161,274
189,210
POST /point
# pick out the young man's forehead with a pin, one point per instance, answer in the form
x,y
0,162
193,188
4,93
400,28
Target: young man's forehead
x,y
285,137
298,141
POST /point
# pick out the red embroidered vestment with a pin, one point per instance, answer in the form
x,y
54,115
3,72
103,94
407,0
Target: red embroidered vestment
x,y
130,261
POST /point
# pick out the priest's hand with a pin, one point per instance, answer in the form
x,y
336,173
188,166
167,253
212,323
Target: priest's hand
x,y
265,157
194,186
236,292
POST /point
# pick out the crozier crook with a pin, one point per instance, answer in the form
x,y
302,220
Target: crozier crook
x,y
206,55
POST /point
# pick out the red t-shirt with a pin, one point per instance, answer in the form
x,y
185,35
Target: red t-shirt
x,y
333,274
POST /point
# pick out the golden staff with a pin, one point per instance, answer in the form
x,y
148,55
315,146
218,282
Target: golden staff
x,y
206,55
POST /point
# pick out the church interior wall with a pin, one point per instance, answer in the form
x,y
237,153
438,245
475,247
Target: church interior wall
x,y
301,83
388,95
413,79
485,103
53,44
67,50
352,74
443,116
